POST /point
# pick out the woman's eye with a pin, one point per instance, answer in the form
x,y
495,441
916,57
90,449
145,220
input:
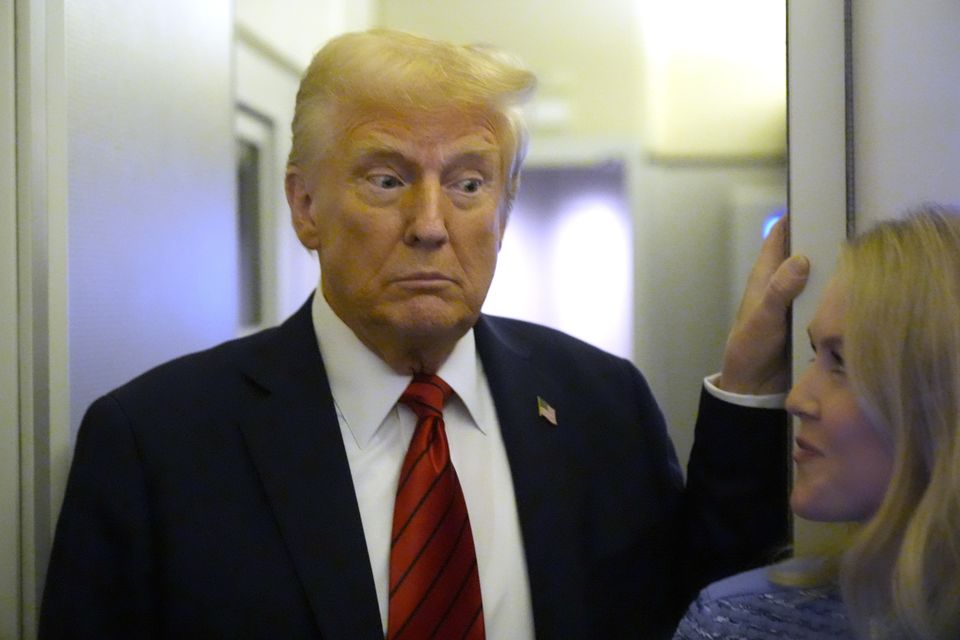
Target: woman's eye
x,y
385,181
835,363
838,364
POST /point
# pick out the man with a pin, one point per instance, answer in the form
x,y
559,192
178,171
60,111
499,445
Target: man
x,y
262,489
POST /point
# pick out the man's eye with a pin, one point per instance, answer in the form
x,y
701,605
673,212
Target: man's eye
x,y
385,181
470,185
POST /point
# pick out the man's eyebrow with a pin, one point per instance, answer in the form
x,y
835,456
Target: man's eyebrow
x,y
374,152
378,151
485,156
489,153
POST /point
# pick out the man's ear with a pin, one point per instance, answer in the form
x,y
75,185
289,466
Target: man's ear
x,y
506,205
504,213
300,201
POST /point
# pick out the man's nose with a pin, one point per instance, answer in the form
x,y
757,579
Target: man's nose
x,y
425,214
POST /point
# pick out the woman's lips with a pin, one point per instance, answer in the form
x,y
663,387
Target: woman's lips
x,y
805,451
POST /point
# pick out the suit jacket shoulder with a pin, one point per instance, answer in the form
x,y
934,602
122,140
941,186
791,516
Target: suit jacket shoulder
x,y
211,497
207,381
629,544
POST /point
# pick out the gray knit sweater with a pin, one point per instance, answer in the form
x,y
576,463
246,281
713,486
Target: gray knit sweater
x,y
748,606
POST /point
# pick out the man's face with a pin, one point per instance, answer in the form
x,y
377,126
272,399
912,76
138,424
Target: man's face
x,y
404,211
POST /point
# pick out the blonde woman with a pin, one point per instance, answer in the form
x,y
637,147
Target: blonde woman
x,y
877,445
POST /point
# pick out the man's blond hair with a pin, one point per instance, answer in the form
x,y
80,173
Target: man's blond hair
x,y
381,68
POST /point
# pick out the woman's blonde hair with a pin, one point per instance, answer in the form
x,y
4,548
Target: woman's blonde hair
x,y
900,572
900,576
382,68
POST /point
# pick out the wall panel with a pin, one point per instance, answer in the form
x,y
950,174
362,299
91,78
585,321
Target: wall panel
x,y
153,237
906,86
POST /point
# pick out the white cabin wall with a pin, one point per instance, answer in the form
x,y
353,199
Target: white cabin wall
x,y
906,98
152,229
601,77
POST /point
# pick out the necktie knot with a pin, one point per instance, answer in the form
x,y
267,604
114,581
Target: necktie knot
x,y
434,579
426,394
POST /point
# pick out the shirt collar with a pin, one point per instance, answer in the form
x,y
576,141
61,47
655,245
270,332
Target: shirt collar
x,y
365,389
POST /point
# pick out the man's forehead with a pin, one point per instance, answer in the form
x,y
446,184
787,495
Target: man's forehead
x,y
405,123
392,135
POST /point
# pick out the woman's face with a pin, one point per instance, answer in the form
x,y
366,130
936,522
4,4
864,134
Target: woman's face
x,y
843,462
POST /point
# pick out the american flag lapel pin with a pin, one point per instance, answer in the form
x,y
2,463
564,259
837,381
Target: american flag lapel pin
x,y
545,411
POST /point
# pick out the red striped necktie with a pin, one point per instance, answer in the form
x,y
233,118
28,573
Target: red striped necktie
x,y
434,584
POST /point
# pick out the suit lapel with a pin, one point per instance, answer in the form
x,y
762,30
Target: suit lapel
x,y
294,440
549,498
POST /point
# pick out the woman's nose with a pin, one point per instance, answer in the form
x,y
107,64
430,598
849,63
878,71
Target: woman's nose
x,y
801,401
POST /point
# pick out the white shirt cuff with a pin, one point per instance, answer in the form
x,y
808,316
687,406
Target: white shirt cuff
x,y
767,401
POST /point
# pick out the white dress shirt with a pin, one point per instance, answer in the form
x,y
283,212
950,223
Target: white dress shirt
x,y
377,430
376,433
767,401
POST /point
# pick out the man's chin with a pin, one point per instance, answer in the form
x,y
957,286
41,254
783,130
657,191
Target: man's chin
x,y
415,337
434,328
430,321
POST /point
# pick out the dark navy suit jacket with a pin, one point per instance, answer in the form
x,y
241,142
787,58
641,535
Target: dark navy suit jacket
x,y
211,497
